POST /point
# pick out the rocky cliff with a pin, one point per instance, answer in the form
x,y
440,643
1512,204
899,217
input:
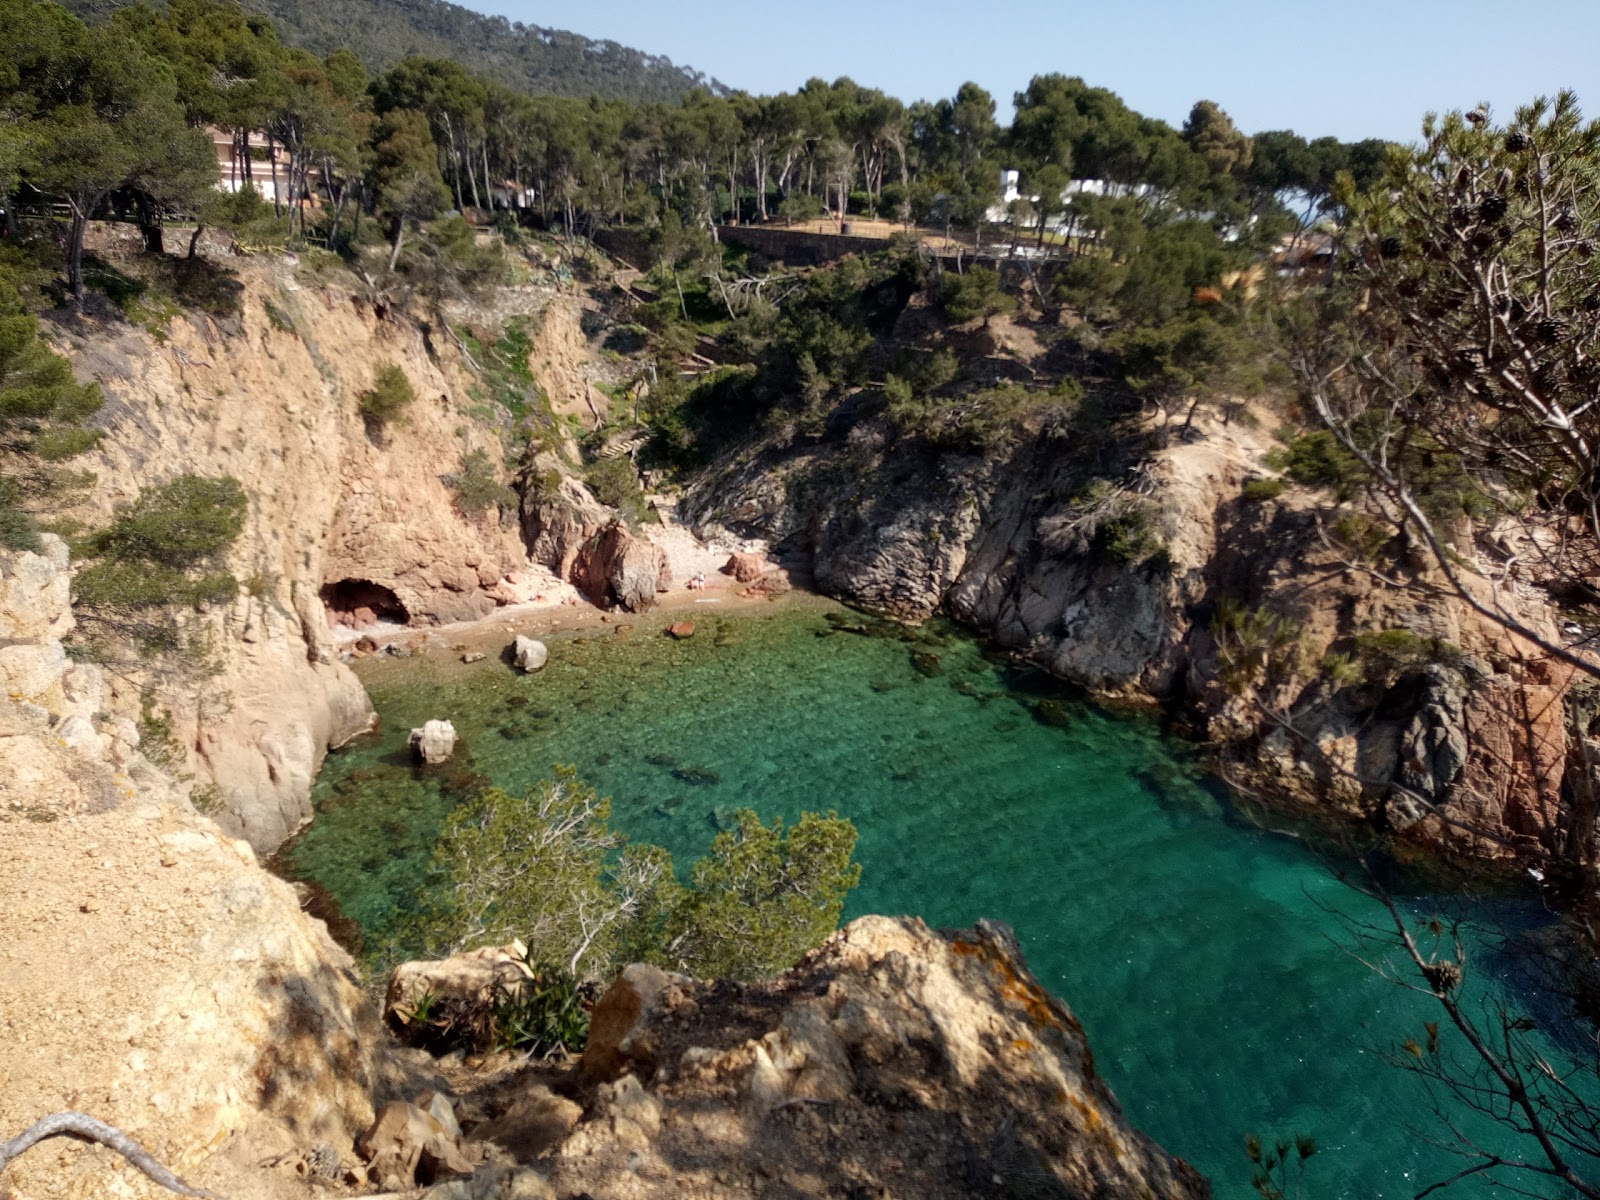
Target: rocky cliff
x,y
1234,613
151,973
344,516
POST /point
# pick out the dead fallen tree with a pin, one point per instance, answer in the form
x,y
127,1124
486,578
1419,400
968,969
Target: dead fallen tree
x,y
86,1128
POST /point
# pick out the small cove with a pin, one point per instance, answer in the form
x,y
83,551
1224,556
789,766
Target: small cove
x,y
1194,947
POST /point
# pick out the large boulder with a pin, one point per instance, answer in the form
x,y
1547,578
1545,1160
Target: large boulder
x,y
529,654
617,569
558,515
747,567
434,742
460,983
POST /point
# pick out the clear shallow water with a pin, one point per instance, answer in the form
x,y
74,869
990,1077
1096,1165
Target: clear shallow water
x,y
1194,948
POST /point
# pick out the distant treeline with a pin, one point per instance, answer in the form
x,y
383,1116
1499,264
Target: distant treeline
x,y
526,58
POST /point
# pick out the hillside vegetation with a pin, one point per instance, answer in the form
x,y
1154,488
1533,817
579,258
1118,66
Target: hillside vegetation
x,y
525,58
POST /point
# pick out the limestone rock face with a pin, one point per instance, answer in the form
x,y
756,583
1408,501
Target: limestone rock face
x,y
340,516
212,1020
529,654
617,569
892,1060
557,521
434,742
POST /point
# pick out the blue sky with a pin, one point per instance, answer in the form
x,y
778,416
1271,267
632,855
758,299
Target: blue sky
x,y
1353,69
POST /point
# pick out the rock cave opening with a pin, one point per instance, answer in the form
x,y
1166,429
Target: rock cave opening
x,y
360,603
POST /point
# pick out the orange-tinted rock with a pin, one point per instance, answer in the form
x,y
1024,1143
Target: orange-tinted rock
x,y
681,629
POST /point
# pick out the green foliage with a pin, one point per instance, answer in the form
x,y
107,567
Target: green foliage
x,y
388,398
449,260
1190,355
157,741
1130,538
1344,670
527,58
478,488
1391,652
1362,536
164,549
1257,491
615,483
973,295
17,528
1253,645
982,421
762,897
39,399
542,1014
547,868
1318,459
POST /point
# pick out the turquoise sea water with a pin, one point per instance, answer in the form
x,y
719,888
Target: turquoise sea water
x,y
1194,947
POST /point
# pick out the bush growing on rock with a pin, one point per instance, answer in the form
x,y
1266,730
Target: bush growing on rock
x,y
41,410
545,867
389,397
478,488
164,549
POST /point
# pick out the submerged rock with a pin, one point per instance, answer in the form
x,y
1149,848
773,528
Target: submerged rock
x,y
529,654
434,742
927,664
681,630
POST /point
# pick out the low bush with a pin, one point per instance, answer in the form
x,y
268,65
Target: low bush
x,y
478,487
389,397
1257,491
615,484
164,548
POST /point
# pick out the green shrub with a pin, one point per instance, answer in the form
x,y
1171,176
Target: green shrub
x,y
1319,459
541,1015
1129,538
17,528
974,294
1252,644
615,484
478,488
181,524
1391,652
982,421
545,866
1344,670
164,549
1257,491
389,397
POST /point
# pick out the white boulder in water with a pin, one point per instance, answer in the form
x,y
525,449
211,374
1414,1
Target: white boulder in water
x,y
529,653
434,742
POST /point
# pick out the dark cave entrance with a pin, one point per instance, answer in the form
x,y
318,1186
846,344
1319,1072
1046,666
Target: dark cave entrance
x,y
360,603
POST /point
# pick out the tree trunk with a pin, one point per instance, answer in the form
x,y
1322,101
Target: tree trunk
x,y
80,222
399,236
194,240
150,227
272,156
